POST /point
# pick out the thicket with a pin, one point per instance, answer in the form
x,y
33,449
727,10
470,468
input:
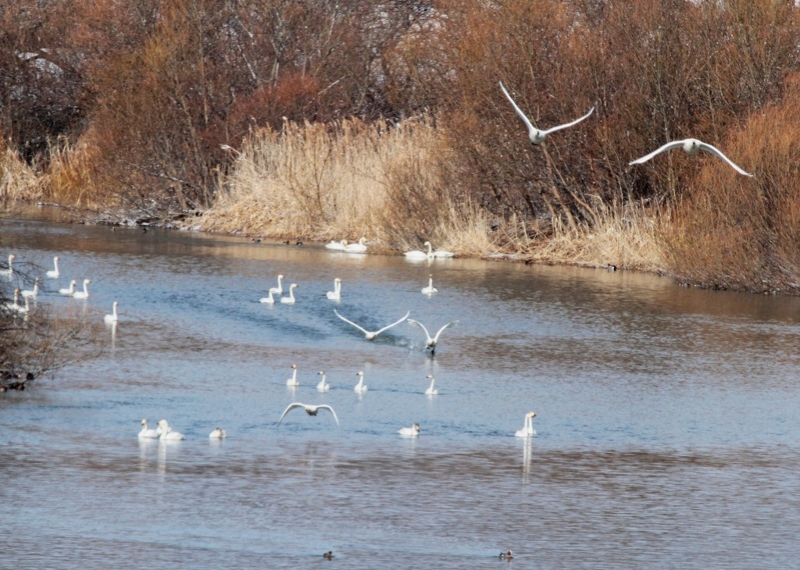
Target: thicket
x,y
131,104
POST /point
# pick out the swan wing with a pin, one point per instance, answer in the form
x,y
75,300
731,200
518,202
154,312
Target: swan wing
x,y
451,323
531,129
362,329
668,146
327,407
419,324
290,407
715,151
393,324
566,126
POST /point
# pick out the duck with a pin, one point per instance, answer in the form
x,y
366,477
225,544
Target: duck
x,y
323,385
112,318
417,254
218,433
32,292
360,388
68,290
311,410
431,391
85,293
430,343
269,299
506,555
54,273
293,382
536,136
412,431
691,146
148,433
166,433
358,247
336,294
527,430
430,289
10,271
328,555
369,335
290,299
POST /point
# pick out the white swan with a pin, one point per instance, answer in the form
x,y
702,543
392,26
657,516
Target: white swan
x,y
293,382
85,293
371,335
412,431
336,294
112,318
323,385
527,430
279,288
441,253
310,410
360,388
26,309
691,146
430,289
417,254
218,433
54,273
356,247
336,245
33,292
535,135
290,299
166,433
14,305
68,290
10,271
270,300
431,391
430,343
148,433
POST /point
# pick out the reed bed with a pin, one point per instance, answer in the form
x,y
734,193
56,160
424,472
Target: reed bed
x,y
19,180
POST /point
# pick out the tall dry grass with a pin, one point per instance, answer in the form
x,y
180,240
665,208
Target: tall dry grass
x,y
18,181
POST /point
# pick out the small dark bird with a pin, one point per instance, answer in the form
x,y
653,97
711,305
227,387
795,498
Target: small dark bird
x,y
328,555
506,555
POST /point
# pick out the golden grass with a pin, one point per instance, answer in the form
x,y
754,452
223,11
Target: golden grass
x,y
19,180
69,180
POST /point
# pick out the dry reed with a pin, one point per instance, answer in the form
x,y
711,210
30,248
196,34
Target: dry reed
x,y
19,180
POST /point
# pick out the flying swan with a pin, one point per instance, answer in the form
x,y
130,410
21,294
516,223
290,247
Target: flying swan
x,y
412,431
336,294
538,137
290,299
430,343
691,146
310,410
527,430
323,385
371,335
54,273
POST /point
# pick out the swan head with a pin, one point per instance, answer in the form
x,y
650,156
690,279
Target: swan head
x,y
359,373
12,256
55,258
280,276
530,415
294,366
144,422
320,373
293,286
692,146
415,427
87,281
429,376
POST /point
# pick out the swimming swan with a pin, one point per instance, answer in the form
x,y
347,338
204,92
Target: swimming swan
x,y
691,146
356,247
441,253
430,343
430,289
431,391
293,382
279,288
360,388
218,433
417,254
371,335
310,410
336,294
14,305
54,273
336,245
112,318
535,135
148,433
166,433
269,299
323,385
34,292
69,290
413,431
527,430
290,299
10,271
85,293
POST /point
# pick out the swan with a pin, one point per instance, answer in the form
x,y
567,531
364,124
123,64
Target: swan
x,y
412,431
26,309
431,391
10,271
430,343
360,388
269,299
14,305
34,292
279,288
54,273
527,430
430,289
310,410
148,433
336,245
166,433
69,290
441,253
218,433
112,318
371,335
290,299
536,136
356,247
293,381
417,254
691,146
85,293
323,385
336,294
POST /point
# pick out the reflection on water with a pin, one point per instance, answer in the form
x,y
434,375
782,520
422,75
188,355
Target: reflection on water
x,y
666,417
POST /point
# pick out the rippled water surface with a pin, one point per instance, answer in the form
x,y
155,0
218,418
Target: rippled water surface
x,y
667,418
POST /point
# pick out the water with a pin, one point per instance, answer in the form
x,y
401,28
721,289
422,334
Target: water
x,y
667,417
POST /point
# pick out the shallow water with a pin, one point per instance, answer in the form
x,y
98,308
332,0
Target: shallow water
x,y
667,417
